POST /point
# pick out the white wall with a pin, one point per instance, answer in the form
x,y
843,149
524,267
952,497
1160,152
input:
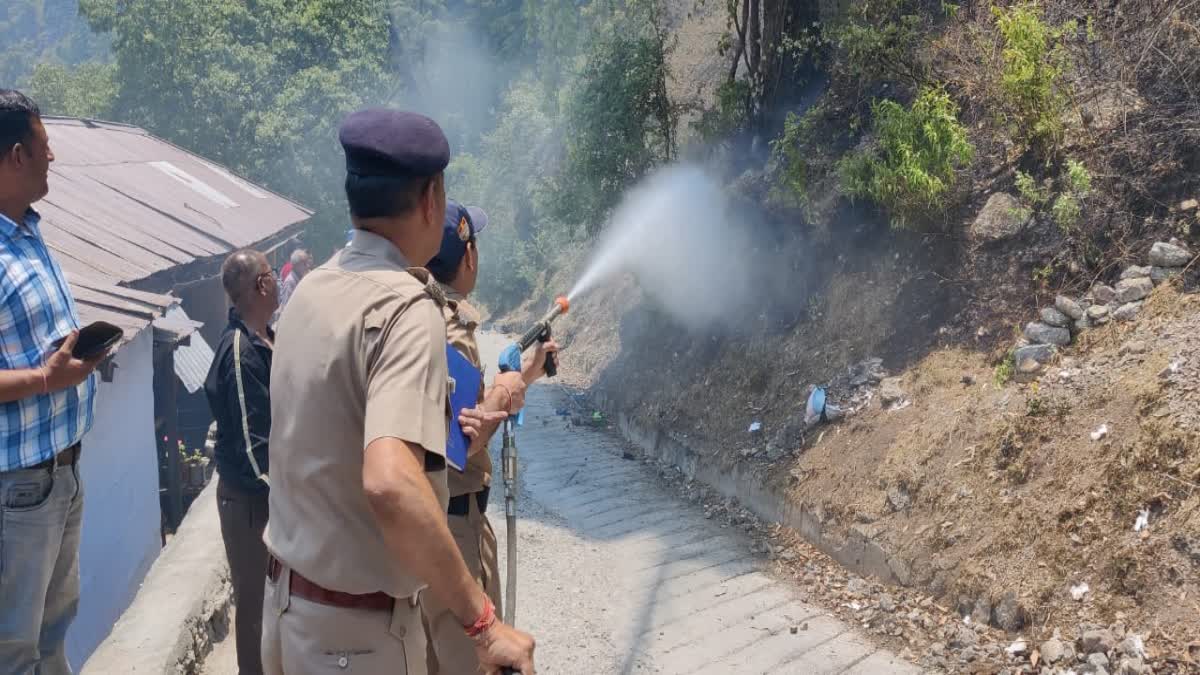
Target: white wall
x,y
119,467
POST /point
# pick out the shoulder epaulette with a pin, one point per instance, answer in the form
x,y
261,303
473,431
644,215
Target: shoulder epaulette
x,y
431,287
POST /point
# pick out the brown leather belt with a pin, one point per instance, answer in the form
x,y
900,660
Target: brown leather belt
x,y
67,457
314,592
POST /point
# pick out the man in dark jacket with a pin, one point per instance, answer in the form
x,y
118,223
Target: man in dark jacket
x,y
238,394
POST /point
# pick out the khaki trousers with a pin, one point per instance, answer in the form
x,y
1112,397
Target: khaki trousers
x,y
451,652
306,638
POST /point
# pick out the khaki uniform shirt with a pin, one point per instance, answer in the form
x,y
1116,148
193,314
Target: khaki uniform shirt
x,y
361,355
461,321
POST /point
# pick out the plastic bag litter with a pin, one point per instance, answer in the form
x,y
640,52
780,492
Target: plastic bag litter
x,y
832,413
1017,648
815,409
1143,520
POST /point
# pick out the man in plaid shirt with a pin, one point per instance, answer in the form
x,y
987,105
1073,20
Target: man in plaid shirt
x,y
46,406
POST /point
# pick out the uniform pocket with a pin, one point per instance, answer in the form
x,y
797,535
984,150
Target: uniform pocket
x,y
350,660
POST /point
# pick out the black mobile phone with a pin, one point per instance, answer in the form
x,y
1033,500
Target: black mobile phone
x,y
94,340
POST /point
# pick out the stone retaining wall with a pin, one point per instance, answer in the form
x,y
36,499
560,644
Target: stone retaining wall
x,y
182,607
858,551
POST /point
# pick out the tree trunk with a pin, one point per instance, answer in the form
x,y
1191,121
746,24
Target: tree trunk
x,y
784,72
753,22
740,28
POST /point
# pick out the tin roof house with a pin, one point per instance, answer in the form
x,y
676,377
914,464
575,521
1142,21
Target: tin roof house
x,y
141,228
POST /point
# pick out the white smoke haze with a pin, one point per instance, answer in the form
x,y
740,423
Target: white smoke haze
x,y
677,234
457,82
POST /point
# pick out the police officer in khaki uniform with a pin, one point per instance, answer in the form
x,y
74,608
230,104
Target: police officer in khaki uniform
x,y
456,269
358,534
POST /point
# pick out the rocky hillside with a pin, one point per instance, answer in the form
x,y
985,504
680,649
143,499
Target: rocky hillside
x,y
1045,496
1013,361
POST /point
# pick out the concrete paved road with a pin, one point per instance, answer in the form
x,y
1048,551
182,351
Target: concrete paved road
x,y
617,575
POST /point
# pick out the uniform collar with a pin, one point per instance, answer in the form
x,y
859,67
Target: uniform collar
x,y
28,226
452,294
466,312
372,245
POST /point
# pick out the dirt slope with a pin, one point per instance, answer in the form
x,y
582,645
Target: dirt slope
x,y
986,491
992,490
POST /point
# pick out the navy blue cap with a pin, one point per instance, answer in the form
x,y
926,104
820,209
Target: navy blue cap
x,y
461,225
386,142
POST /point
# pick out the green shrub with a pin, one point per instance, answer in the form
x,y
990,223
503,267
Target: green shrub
x,y
1034,194
1079,179
882,39
1034,62
1066,206
1006,369
729,115
1066,211
794,149
911,169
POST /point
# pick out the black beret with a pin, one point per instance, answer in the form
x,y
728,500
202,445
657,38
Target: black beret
x,y
384,142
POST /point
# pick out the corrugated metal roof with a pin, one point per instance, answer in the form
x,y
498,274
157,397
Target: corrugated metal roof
x,y
131,310
193,360
155,300
130,204
124,205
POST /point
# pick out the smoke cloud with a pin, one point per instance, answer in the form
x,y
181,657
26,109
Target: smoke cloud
x,y
457,82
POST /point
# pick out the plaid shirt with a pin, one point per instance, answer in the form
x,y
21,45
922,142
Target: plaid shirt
x,y
36,309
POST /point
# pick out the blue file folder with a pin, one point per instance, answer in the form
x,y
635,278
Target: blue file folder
x,y
467,380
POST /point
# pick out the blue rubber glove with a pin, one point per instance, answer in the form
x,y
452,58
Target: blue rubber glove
x,y
510,361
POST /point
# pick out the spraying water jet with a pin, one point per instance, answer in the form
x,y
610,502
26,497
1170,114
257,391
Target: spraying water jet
x,y
678,235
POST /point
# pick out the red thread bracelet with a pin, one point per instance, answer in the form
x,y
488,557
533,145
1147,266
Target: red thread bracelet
x,y
485,620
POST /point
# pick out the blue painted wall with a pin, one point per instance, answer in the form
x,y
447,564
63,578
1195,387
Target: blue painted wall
x,y
121,509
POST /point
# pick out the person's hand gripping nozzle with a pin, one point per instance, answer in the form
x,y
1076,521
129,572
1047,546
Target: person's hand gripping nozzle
x,y
539,332
510,360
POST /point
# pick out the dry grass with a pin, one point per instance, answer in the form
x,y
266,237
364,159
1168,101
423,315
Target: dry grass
x,y
1009,491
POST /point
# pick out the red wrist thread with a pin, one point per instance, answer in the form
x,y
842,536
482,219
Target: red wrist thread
x,y
485,620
